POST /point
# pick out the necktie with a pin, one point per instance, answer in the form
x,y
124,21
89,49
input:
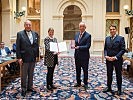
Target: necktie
x,y
80,35
30,37
111,40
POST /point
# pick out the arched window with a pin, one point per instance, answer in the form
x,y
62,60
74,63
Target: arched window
x,y
72,17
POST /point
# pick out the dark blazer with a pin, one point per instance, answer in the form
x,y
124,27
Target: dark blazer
x,y
24,49
7,50
14,47
114,48
85,42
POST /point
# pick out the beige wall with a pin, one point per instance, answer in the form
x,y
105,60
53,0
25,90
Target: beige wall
x,y
93,13
6,18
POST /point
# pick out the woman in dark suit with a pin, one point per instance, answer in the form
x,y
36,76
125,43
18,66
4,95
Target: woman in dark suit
x,y
51,58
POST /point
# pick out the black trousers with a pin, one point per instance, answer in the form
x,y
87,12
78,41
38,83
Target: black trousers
x,y
84,65
50,72
118,70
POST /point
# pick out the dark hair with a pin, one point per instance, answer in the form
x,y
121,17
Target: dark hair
x,y
50,29
112,25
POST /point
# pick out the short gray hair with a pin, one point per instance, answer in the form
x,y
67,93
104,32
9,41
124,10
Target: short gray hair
x,y
82,23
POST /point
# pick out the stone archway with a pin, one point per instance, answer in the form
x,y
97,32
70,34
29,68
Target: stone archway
x,y
80,3
59,13
72,17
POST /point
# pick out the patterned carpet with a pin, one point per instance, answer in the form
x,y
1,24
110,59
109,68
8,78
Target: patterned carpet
x,y
64,79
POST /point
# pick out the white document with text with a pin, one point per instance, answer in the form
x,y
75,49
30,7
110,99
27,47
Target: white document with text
x,y
58,47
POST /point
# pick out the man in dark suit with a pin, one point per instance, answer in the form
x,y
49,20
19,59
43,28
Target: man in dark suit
x,y
5,51
114,48
27,53
82,55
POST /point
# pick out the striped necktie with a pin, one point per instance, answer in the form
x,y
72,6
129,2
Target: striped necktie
x,y
80,35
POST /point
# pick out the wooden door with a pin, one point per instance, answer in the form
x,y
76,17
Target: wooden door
x,y
131,34
36,26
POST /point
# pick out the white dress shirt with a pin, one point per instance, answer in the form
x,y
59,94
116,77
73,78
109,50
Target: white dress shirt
x,y
30,37
3,52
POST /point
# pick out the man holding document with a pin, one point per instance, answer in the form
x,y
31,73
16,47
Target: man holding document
x,y
82,55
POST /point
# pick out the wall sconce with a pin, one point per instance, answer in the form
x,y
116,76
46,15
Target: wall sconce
x,y
128,12
19,14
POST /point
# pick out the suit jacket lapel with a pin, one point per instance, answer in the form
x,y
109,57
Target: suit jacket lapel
x,y
109,42
112,41
77,37
34,37
115,39
26,37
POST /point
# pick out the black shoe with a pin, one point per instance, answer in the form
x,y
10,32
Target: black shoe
x,y
49,87
31,90
118,92
53,87
106,90
86,87
23,93
77,85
